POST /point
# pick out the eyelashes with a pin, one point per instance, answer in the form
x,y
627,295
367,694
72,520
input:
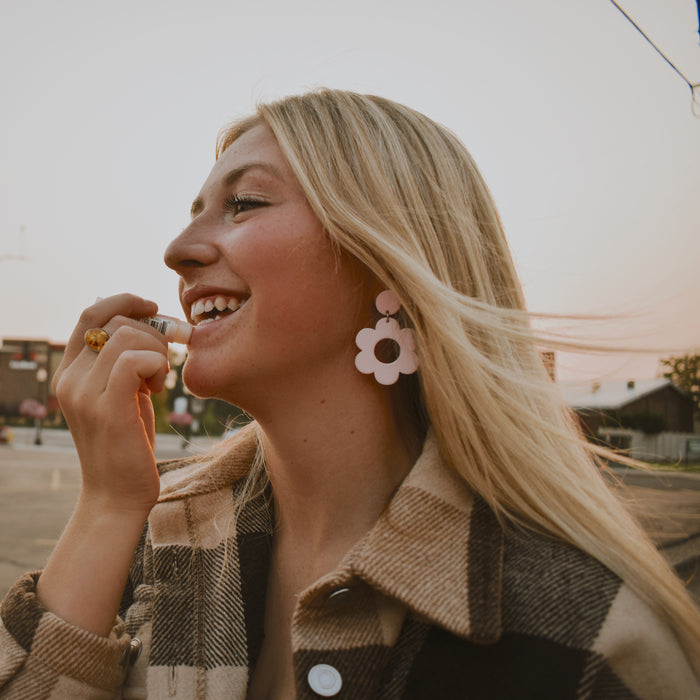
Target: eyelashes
x,y
237,204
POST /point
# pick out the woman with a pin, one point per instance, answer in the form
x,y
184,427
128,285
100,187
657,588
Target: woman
x,y
425,525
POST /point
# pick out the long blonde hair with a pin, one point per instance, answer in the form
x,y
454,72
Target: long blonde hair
x,y
403,195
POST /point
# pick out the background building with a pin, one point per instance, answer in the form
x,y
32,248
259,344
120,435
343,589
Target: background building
x,y
26,369
651,419
651,405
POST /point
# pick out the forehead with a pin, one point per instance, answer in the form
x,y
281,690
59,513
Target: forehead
x,y
255,146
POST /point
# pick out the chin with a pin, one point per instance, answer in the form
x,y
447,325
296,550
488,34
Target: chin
x,y
204,383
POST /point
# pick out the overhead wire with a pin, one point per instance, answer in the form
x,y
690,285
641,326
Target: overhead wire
x,y
694,87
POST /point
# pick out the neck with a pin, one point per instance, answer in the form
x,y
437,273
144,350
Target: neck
x,y
334,459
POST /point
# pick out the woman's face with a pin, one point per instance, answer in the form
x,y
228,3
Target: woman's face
x,y
274,307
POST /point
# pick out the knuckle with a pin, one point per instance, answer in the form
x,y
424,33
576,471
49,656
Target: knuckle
x,y
61,384
124,333
61,393
121,320
89,317
125,357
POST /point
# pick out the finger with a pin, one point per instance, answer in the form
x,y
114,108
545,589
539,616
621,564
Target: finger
x,y
129,335
97,316
147,417
89,373
100,313
120,325
131,369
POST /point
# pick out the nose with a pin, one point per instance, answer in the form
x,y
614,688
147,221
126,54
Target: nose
x,y
190,250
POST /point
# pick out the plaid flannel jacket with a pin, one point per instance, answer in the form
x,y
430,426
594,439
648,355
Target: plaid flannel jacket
x,y
437,601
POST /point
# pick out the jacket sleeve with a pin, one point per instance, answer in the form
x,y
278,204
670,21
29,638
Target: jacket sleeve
x,y
44,657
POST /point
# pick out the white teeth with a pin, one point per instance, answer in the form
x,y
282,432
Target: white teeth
x,y
201,307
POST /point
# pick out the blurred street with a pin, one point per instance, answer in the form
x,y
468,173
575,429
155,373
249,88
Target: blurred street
x,y
38,489
39,485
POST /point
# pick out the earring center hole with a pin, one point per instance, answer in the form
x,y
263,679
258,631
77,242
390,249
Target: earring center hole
x,y
387,350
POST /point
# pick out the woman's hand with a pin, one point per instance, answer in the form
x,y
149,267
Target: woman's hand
x,y
105,398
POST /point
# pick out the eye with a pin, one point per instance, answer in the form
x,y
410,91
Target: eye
x,y
237,204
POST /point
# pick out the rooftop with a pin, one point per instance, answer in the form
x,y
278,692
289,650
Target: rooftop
x,y
609,394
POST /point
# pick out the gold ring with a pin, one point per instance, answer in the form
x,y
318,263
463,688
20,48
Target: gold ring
x,y
95,338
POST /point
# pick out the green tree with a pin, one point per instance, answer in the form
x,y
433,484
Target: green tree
x,y
684,372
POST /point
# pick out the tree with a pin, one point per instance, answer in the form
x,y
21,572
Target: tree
x,y
684,372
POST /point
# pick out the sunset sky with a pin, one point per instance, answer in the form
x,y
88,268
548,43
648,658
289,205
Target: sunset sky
x,y
584,133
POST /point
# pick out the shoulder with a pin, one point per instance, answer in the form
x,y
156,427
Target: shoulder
x,y
564,605
636,646
199,496
569,628
553,590
222,466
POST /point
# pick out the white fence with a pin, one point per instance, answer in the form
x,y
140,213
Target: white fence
x,y
664,447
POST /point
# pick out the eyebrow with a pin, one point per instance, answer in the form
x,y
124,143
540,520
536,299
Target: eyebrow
x,y
235,175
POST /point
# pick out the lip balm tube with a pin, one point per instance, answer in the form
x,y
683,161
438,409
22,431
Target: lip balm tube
x,y
174,330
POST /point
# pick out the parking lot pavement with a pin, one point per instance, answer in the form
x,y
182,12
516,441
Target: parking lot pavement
x,y
671,516
37,493
38,489
39,485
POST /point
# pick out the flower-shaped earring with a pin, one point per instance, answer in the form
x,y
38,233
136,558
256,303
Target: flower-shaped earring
x,y
386,328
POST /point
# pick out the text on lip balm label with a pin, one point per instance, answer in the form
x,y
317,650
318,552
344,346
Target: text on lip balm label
x,y
159,324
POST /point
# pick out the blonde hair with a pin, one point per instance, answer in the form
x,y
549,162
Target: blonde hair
x,y
403,195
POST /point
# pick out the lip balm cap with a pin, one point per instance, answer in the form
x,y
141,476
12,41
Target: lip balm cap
x,y
179,332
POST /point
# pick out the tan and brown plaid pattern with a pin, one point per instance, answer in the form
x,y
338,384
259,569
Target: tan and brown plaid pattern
x,y
440,602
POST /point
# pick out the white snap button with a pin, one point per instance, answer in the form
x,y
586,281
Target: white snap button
x,y
325,680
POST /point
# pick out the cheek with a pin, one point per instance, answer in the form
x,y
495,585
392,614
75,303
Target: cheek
x,y
299,283
289,267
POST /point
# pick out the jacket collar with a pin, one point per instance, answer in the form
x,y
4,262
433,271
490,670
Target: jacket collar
x,y
217,469
450,567
436,548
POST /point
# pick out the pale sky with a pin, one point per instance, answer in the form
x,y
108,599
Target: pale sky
x,y
585,135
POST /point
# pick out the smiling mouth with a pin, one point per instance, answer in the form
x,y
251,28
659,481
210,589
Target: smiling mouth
x,y
210,309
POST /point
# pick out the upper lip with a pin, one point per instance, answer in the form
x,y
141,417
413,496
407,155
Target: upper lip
x,y
190,296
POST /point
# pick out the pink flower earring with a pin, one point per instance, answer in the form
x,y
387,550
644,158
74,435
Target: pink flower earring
x,y
386,328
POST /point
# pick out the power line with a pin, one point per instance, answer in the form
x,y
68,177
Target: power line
x,y
695,100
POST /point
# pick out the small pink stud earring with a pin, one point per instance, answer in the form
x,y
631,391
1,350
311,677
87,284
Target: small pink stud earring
x,y
386,328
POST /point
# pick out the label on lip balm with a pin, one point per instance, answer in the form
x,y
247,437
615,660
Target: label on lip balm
x,y
160,324
174,330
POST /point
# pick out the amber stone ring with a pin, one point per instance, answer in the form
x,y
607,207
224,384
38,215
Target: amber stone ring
x,y
95,338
